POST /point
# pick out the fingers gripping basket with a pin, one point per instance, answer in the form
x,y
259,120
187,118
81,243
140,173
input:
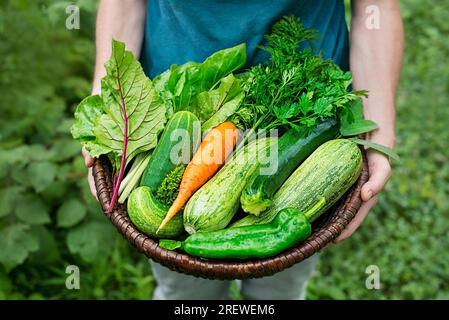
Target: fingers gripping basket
x,y
325,230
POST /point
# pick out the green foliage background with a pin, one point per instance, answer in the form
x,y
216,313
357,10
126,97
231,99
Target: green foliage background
x,y
48,220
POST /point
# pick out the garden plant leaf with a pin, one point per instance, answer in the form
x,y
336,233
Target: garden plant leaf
x,y
144,108
385,150
180,85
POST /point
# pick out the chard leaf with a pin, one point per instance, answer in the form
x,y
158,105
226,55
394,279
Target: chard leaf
x,y
99,120
126,120
85,115
383,149
134,112
145,111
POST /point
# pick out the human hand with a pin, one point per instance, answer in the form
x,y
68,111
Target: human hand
x,y
89,162
380,171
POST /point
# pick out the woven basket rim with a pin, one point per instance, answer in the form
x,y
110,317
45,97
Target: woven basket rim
x,y
335,220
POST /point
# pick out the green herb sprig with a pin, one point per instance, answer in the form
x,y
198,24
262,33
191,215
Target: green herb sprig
x,y
294,88
169,188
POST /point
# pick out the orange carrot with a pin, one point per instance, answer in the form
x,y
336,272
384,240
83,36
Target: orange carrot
x,y
212,153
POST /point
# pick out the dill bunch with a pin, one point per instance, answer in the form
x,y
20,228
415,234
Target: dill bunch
x,y
169,188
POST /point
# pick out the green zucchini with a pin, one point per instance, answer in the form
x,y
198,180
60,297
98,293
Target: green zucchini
x,y
328,172
173,148
213,206
147,213
294,146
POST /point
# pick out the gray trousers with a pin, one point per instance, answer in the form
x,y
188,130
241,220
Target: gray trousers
x,y
289,284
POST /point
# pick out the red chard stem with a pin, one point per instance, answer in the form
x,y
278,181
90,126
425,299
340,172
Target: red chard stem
x,y
125,144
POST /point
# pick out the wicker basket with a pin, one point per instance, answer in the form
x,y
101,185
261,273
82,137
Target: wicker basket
x,y
325,230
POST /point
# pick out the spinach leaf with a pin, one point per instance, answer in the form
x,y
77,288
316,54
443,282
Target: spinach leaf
x,y
352,122
216,106
181,85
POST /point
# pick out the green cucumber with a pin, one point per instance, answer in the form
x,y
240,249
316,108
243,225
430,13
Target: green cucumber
x,y
289,227
173,148
147,213
294,146
328,172
215,203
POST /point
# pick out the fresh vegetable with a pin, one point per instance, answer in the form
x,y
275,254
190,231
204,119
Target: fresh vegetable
x,y
192,85
378,147
328,172
295,87
179,140
352,123
169,188
213,206
257,241
126,119
294,146
132,179
225,101
215,148
146,213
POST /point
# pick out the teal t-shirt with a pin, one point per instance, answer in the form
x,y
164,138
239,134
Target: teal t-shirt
x,y
178,31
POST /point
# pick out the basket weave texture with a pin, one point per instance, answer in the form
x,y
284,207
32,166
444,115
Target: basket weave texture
x,y
325,230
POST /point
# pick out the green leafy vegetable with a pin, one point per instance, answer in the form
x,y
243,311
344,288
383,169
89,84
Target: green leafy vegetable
x,y
126,119
99,121
352,122
221,103
85,115
144,108
385,150
294,88
132,178
170,244
181,86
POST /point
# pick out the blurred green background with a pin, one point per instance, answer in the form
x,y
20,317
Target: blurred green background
x,y
48,220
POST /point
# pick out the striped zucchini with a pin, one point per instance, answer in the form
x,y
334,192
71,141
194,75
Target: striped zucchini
x,y
213,206
173,148
147,213
294,147
328,172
